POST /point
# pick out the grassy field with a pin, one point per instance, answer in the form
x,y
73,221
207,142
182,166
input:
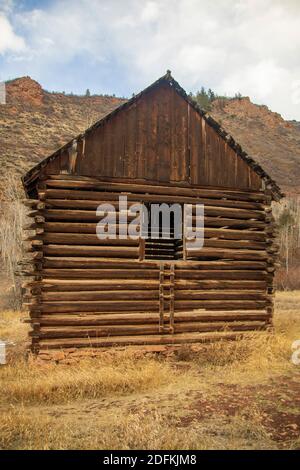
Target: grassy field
x,y
235,395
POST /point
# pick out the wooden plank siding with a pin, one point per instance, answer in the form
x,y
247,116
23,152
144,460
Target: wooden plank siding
x,y
160,138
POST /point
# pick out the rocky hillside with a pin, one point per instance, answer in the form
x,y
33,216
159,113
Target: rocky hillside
x,y
266,136
35,122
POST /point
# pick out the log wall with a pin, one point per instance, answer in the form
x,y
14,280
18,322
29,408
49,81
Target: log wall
x,y
83,292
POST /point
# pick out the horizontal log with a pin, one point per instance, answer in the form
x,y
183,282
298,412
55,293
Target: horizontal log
x,y
85,239
149,318
92,239
122,294
146,305
63,285
221,294
30,202
219,232
231,234
36,242
226,222
221,304
81,195
82,215
235,213
220,284
118,330
227,253
181,338
99,262
101,306
152,274
83,262
99,273
99,295
85,203
238,244
66,183
210,210
90,216
117,251
221,274
71,227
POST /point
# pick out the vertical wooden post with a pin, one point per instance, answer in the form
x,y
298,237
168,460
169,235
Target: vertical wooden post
x,y
161,297
142,249
171,309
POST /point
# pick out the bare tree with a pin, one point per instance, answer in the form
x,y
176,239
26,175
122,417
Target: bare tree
x,y
12,219
287,215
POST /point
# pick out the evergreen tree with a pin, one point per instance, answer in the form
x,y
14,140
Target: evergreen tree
x,y
204,99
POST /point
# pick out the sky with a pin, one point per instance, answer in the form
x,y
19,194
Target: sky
x,y
119,47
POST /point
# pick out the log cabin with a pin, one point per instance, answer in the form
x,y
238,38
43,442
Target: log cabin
x,y
157,147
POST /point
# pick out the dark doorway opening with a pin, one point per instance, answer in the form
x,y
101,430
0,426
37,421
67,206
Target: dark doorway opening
x,y
162,242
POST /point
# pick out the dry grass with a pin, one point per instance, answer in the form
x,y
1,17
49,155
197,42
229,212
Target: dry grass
x,y
89,379
21,430
229,395
24,382
12,220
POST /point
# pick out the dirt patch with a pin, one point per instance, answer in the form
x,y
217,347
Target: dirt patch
x,y
265,401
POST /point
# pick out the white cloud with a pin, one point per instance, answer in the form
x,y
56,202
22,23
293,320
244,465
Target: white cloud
x,y
9,41
260,79
150,11
229,45
6,6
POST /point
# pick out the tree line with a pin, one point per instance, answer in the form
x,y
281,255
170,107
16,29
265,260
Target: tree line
x,y
204,98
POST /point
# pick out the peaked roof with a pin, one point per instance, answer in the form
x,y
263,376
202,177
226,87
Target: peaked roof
x,y
167,79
